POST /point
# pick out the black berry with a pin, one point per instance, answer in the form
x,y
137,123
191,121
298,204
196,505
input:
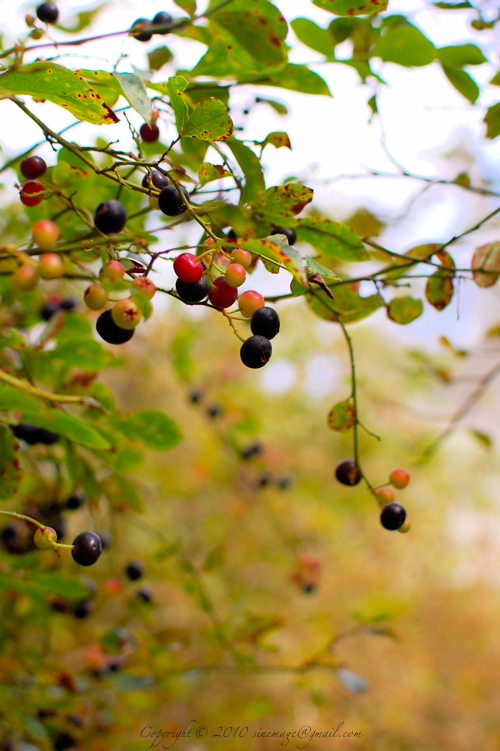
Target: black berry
x,y
162,19
32,434
82,609
264,480
289,233
48,310
110,217
195,396
155,178
231,234
253,450
309,588
63,742
393,516
87,548
192,291
75,719
265,322
106,540
58,605
33,167
69,303
110,332
256,351
284,483
142,34
75,501
170,202
348,473
214,410
134,570
144,595
48,12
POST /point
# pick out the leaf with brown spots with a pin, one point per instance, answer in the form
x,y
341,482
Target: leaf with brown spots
x,y
209,121
209,172
277,139
341,417
352,7
10,468
66,88
404,310
279,203
485,264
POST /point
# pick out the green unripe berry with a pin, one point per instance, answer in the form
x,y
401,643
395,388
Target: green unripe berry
x,y
45,538
95,297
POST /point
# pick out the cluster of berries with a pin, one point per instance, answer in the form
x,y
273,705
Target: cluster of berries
x,y
143,30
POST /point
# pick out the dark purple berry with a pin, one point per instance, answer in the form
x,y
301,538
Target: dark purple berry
x,y
63,742
74,719
87,548
195,396
48,13
145,595
142,34
253,450
75,501
265,321
284,483
170,201
264,480
110,332
82,609
110,217
289,234
348,473
393,516
58,605
69,303
191,292
256,351
149,132
134,570
33,167
231,234
155,178
32,434
48,310
162,19
214,410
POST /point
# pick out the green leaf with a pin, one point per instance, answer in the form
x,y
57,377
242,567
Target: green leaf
x,y
439,289
105,84
281,202
251,168
458,55
122,494
209,172
134,91
463,82
68,426
278,139
313,36
492,120
159,57
209,121
341,417
405,45
404,310
66,88
352,7
348,305
278,107
10,468
312,267
154,428
278,252
331,239
12,338
297,78
86,354
482,438
176,87
188,5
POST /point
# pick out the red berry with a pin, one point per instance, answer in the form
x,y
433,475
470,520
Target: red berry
x,y
112,271
399,478
32,167
32,193
126,314
95,297
249,302
221,295
145,285
188,268
149,133
385,495
235,275
242,256
50,266
25,278
45,233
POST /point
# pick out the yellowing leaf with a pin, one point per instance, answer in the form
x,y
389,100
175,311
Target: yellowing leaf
x,y
209,122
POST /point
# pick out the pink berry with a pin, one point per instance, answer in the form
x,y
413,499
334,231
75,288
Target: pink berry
x,y
235,275
144,285
242,256
221,295
112,271
188,268
25,278
45,233
249,302
50,266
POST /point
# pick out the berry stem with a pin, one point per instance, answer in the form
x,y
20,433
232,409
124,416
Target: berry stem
x,y
24,518
230,321
57,398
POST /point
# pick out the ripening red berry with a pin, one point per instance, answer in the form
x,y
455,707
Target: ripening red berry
x,y
399,478
50,266
144,285
45,233
242,257
112,272
95,297
25,277
33,167
126,314
385,495
149,133
44,538
221,295
32,193
188,268
235,275
249,302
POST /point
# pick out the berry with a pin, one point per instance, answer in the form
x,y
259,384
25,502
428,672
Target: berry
x,y
195,396
87,548
134,570
162,19
82,609
231,234
149,133
188,268
32,434
126,314
25,278
110,217
249,302
110,332
32,167
32,193
385,495
50,266
170,201
145,595
399,478
112,272
393,516
49,309
214,410
69,303
253,450
266,322
348,473
284,483
235,275
289,234
155,178
242,257
45,537
58,605
192,292
264,480
106,540
144,285
142,34
48,12
221,295
75,501
95,297
256,352
45,233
